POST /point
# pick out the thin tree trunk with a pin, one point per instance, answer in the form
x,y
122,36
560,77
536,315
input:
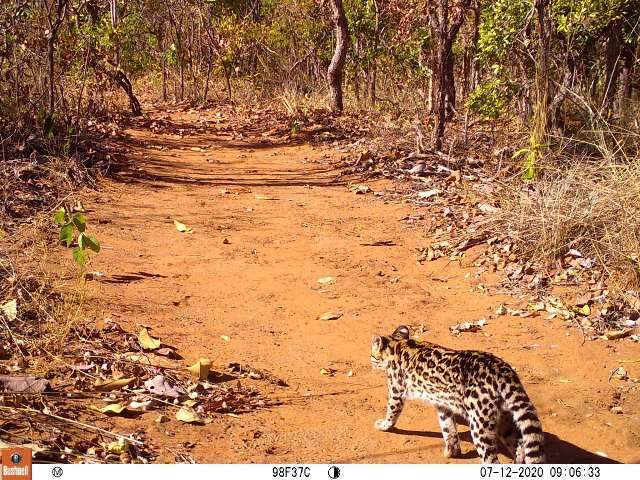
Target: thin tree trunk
x,y
541,113
164,79
51,72
335,71
626,76
206,83
473,73
55,22
177,27
181,78
555,107
613,51
227,79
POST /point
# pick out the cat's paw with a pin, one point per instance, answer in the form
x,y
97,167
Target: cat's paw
x,y
452,451
383,425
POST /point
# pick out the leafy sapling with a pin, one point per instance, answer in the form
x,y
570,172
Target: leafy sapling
x,y
73,235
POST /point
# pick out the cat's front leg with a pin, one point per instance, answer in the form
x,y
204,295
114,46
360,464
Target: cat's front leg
x,y
395,403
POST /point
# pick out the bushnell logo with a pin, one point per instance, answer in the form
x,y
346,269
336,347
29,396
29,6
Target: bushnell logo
x,y
16,464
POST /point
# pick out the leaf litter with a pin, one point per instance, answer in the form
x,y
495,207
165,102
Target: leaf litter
x,y
110,372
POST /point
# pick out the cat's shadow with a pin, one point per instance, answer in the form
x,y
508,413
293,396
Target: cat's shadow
x,y
464,437
557,450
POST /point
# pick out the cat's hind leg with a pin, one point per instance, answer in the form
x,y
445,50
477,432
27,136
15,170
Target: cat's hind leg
x,y
483,427
449,433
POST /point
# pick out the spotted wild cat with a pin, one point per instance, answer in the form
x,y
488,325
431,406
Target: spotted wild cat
x,y
477,386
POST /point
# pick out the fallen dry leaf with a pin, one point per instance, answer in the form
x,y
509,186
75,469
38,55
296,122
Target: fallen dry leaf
x,y
458,328
136,406
182,228
118,447
583,310
160,385
428,193
146,341
111,384
189,415
201,368
501,310
619,373
168,352
10,309
112,408
161,419
359,189
616,334
23,384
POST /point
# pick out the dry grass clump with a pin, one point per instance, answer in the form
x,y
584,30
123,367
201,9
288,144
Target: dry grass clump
x,y
48,308
586,205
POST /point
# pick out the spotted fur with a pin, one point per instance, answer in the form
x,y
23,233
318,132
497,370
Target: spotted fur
x,y
479,387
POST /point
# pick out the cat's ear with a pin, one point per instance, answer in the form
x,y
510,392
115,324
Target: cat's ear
x,y
402,333
376,343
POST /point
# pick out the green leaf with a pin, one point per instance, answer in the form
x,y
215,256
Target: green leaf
x,y
520,152
79,221
66,234
79,256
88,241
529,172
60,216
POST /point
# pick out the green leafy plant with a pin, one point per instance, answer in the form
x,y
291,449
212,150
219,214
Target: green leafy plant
x,y
73,235
489,100
532,154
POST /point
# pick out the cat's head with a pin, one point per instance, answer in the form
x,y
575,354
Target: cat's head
x,y
382,347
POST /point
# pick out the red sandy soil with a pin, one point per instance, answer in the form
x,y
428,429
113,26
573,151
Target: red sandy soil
x,y
261,290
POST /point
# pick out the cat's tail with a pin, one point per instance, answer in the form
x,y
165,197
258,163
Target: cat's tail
x,y
525,417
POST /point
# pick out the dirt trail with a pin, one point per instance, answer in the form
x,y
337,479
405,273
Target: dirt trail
x,y
288,222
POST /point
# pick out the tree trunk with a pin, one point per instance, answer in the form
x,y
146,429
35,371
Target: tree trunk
x,y
227,80
444,29
177,27
626,76
449,80
541,113
51,68
181,77
613,51
335,71
121,79
60,9
206,83
555,107
164,79
473,67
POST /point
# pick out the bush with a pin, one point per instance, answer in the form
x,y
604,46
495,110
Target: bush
x,y
591,206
